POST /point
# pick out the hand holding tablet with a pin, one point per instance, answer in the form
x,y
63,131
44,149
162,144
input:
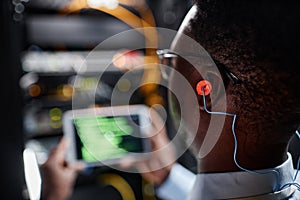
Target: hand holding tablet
x,y
106,135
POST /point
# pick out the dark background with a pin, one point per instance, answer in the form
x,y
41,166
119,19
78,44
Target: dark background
x,y
37,26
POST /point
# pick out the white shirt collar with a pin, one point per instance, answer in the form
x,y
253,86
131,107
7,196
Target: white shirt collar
x,y
240,184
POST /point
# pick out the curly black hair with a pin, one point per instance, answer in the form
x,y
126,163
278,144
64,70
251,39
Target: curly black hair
x,y
259,41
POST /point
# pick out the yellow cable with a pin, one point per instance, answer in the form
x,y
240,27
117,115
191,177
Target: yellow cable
x,y
151,75
119,12
120,184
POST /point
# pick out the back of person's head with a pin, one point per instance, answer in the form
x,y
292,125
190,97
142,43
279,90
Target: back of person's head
x,y
258,40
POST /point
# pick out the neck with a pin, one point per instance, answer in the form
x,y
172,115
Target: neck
x,y
248,156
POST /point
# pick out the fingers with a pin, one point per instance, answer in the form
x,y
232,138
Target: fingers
x,y
154,172
158,125
143,167
61,149
127,163
77,166
57,155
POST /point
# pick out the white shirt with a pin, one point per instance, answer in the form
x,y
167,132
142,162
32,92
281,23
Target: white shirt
x,y
182,184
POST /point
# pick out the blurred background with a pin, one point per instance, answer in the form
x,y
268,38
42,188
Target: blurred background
x,y
43,45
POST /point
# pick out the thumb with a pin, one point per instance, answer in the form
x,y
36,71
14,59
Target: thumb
x,y
77,166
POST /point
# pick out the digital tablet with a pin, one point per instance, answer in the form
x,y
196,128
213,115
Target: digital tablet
x,y
106,135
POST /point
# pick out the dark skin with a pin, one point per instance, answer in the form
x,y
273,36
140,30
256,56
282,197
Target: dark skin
x,y
251,153
260,145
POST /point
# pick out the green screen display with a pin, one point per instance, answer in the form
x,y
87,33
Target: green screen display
x,y
100,138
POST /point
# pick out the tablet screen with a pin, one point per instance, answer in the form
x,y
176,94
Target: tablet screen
x,y
100,138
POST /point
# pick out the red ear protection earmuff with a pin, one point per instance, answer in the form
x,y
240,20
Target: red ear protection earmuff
x,y
205,86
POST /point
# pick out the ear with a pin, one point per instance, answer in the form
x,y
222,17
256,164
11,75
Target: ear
x,y
217,94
